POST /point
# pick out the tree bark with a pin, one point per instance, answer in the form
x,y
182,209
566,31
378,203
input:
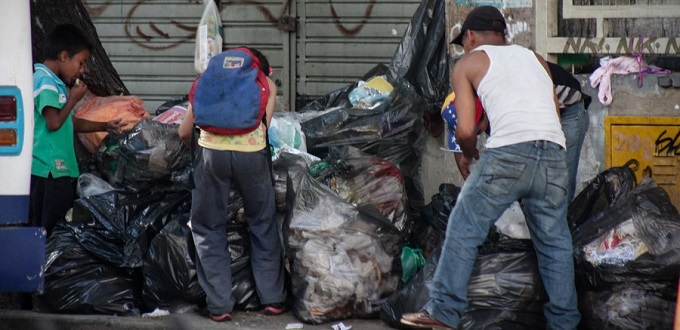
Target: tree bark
x,y
100,76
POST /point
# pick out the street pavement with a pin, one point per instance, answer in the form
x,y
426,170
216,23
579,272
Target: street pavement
x,y
29,320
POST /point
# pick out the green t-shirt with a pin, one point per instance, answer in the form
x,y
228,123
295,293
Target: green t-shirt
x,y
53,151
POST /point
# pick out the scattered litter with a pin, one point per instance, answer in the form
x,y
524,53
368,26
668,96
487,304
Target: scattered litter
x,y
156,313
297,325
341,326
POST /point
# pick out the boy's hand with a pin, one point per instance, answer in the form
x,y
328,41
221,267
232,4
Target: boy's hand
x,y
114,125
77,91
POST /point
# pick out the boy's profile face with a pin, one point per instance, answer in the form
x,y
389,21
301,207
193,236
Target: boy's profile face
x,y
71,67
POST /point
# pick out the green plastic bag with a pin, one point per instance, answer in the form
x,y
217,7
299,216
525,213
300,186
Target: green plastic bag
x,y
412,260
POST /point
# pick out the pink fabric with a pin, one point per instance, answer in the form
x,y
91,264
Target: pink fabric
x,y
619,65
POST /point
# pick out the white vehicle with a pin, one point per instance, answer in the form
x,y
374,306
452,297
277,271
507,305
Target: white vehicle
x,y
22,247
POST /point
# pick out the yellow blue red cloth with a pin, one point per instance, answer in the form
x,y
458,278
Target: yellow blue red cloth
x,y
449,115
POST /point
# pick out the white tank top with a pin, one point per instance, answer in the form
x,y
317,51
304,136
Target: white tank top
x,y
517,95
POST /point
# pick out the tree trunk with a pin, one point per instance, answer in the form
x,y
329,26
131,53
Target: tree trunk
x,y
100,75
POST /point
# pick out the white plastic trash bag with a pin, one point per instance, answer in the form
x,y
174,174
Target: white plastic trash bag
x,y
208,36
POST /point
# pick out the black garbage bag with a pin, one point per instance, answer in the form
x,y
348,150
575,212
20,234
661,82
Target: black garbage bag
x,y
147,157
429,231
285,163
182,101
636,240
422,56
170,278
77,282
117,226
345,260
347,126
339,98
505,292
630,305
603,192
243,282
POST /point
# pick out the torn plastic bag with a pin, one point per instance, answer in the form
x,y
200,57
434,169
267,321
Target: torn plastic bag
x,y
77,282
638,239
146,157
422,57
345,260
605,190
362,179
505,288
90,184
116,226
629,306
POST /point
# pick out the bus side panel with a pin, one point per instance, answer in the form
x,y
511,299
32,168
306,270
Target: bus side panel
x,y
16,70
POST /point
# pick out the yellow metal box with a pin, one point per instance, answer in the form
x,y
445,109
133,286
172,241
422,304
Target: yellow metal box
x,y
654,142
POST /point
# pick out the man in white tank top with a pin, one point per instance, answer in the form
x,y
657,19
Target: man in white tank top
x,y
524,160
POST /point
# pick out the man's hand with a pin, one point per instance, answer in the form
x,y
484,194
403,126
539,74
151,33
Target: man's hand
x,y
464,163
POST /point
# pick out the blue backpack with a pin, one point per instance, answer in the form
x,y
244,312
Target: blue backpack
x,y
231,95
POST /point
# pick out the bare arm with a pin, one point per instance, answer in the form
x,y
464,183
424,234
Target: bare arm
x,y
271,101
187,126
466,132
84,126
54,117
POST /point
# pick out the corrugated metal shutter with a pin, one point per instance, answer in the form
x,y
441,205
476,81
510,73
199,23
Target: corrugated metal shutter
x,y
340,40
151,42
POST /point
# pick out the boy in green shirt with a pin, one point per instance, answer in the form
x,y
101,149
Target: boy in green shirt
x,y
55,170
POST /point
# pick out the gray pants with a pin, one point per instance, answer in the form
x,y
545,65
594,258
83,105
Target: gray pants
x,y
214,173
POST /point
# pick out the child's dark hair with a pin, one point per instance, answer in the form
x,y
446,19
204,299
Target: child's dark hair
x,y
264,63
66,37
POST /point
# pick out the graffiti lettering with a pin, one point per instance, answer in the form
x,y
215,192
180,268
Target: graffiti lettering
x,y
624,142
672,42
583,45
623,45
667,146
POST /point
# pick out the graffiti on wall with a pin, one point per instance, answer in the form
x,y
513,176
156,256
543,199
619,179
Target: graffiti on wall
x,y
622,45
146,34
496,3
635,144
666,146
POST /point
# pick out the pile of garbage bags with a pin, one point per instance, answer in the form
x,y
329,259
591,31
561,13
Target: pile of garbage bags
x,y
627,252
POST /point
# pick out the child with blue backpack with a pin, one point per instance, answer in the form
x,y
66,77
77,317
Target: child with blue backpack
x,y
232,104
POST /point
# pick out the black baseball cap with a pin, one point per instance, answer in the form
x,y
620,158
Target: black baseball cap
x,y
483,18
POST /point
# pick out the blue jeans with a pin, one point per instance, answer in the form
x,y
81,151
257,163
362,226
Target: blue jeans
x,y
536,173
575,122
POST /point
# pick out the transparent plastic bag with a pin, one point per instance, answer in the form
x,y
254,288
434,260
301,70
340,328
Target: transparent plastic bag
x,y
208,36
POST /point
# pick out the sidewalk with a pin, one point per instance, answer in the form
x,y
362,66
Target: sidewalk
x,y
29,320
